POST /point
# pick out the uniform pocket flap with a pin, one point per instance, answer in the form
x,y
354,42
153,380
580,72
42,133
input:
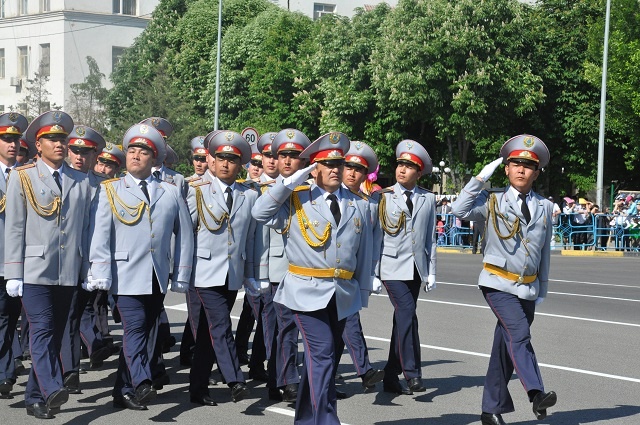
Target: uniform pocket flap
x,y
496,260
204,253
34,251
277,251
121,255
390,251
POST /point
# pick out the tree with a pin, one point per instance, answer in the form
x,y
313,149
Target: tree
x,y
36,99
87,99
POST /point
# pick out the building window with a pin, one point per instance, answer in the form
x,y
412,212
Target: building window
x,y
45,5
2,10
116,54
320,9
124,7
45,60
23,61
2,75
1,109
23,7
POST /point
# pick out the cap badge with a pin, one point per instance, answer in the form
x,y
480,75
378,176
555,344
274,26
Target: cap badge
x,y
13,116
228,136
56,128
290,134
144,129
355,159
525,154
12,129
272,136
405,155
155,122
108,146
358,145
289,145
57,116
334,154
79,142
409,145
528,142
334,138
80,131
227,149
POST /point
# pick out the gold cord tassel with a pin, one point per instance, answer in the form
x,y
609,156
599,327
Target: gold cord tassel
x,y
202,207
389,228
42,210
493,215
135,212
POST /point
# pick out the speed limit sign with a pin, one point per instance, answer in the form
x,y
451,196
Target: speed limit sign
x,y
251,134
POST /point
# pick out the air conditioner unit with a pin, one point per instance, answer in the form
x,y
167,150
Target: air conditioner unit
x,y
15,81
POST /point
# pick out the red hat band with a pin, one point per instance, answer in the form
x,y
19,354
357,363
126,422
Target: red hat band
x,y
23,144
267,148
523,154
326,155
406,156
10,130
82,143
355,159
145,143
108,157
51,129
200,151
256,156
228,149
290,146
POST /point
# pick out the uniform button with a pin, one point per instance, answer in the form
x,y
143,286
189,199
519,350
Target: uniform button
x,y
413,242
61,246
62,218
153,236
338,245
150,221
338,260
229,243
62,232
526,254
151,250
413,230
228,256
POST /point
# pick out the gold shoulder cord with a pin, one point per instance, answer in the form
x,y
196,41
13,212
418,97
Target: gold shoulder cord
x,y
389,228
3,203
493,215
303,223
42,210
136,211
202,207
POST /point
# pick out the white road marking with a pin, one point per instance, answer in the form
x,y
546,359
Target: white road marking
x,y
286,412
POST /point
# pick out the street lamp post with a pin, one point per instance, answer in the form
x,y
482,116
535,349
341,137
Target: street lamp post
x,y
443,171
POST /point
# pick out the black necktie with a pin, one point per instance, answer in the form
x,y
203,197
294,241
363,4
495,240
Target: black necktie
x,y
229,193
409,201
56,177
335,208
156,174
143,186
524,207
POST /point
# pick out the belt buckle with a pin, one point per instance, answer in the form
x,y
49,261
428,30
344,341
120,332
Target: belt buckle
x,y
336,273
520,279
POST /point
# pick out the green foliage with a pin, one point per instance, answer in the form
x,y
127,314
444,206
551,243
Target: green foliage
x,y
87,99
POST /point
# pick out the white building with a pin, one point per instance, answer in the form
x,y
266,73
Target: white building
x,y
57,36
315,9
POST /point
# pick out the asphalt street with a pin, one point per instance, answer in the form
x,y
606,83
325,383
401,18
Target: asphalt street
x,y
586,336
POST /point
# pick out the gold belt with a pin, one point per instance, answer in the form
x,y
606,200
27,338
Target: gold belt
x,y
508,275
313,272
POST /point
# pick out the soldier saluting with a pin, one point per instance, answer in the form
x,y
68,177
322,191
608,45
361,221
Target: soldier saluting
x,y
515,274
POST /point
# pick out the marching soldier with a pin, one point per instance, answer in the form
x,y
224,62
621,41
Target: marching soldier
x,y
255,164
515,274
110,160
172,158
11,127
43,266
407,214
328,245
134,220
23,153
199,157
359,160
83,143
221,214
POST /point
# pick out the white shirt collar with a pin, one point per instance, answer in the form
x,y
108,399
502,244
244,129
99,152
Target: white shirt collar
x,y
516,194
51,170
224,186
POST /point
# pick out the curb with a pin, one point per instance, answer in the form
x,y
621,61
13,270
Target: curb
x,y
563,252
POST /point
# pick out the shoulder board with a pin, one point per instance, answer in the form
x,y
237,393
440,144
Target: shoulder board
x,y
24,167
360,195
301,188
193,179
115,179
425,189
495,189
172,183
103,175
197,184
267,183
248,183
386,190
241,180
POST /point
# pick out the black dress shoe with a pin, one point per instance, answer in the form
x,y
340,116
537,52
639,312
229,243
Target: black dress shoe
x,y
372,377
290,393
19,367
39,410
127,401
258,375
159,382
57,398
203,400
99,356
395,387
415,385
541,402
145,393
212,381
341,395
6,386
72,383
239,391
491,419
275,394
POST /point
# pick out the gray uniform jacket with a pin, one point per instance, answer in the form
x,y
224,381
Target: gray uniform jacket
x,y
512,255
415,243
348,248
229,249
49,250
3,193
129,253
171,176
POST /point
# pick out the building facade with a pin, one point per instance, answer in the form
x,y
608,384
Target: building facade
x,y
315,9
54,38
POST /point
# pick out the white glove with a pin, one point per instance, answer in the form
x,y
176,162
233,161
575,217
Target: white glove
x,y
431,283
299,177
14,287
251,286
179,287
265,286
89,285
376,285
102,284
488,169
539,300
